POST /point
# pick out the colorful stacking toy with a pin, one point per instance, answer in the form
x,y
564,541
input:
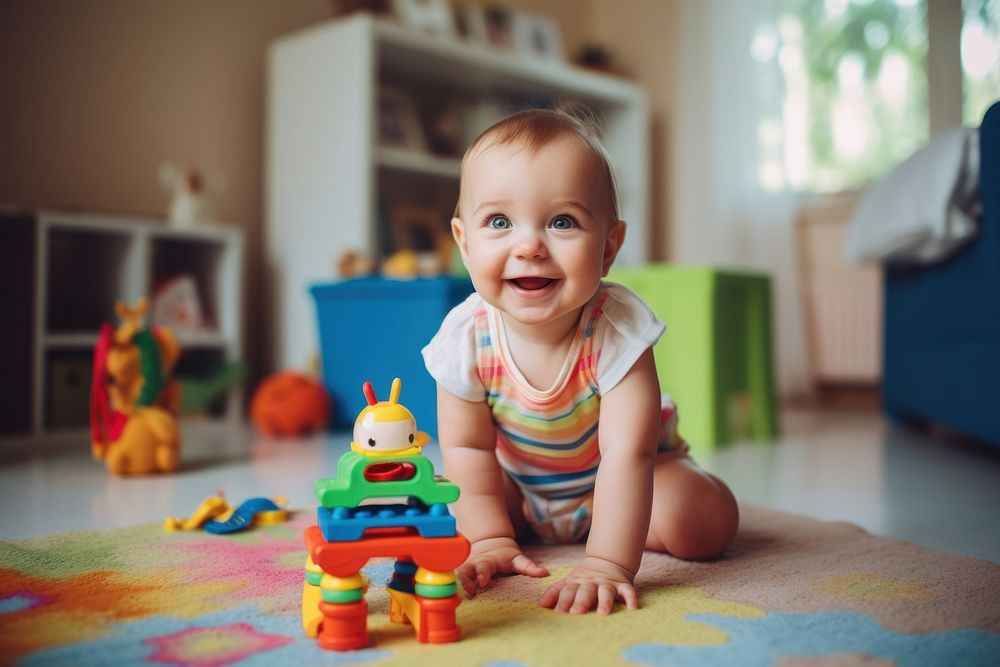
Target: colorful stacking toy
x,y
385,462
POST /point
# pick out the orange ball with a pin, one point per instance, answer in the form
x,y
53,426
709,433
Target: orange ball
x,y
289,403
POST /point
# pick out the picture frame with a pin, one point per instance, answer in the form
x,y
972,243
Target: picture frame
x,y
416,227
499,24
470,22
431,16
537,36
398,121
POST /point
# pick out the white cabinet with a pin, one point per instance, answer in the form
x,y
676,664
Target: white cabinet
x,y
62,274
333,186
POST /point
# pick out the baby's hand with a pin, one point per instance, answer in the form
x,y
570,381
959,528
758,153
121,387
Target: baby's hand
x,y
595,581
496,555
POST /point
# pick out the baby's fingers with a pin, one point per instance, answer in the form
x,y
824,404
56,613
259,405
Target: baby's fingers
x,y
627,593
566,597
484,572
606,597
586,597
551,594
524,565
467,576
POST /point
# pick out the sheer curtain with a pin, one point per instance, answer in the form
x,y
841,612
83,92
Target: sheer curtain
x,y
722,214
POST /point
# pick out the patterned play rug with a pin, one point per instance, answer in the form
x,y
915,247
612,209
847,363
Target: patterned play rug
x,y
791,592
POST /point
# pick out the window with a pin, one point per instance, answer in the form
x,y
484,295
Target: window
x,y
980,58
844,86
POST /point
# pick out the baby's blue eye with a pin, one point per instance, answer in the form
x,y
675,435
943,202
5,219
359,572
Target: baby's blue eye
x,y
498,222
563,222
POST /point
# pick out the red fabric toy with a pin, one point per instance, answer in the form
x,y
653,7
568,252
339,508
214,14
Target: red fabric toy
x,y
288,404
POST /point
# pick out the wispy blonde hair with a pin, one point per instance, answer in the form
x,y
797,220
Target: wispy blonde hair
x,y
535,128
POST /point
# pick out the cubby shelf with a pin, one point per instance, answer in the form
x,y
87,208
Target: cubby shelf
x,y
417,162
63,274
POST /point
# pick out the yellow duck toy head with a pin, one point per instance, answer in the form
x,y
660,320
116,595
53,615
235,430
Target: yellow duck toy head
x,y
386,428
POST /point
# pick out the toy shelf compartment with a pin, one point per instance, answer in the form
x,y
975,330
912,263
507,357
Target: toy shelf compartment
x,y
67,388
65,271
199,363
201,259
86,270
18,248
414,210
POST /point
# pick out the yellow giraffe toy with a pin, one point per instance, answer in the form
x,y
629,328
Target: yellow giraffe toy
x,y
134,401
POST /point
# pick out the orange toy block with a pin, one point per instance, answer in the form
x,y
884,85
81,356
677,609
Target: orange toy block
x,y
343,559
433,619
344,626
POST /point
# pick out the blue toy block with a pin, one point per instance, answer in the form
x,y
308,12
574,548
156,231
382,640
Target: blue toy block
x,y
348,524
402,576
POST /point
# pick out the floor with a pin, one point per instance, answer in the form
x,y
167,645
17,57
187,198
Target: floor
x,y
832,465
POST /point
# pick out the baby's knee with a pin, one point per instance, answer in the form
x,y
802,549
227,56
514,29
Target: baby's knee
x,y
698,525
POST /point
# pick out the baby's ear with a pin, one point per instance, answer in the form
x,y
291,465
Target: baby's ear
x,y
612,244
458,232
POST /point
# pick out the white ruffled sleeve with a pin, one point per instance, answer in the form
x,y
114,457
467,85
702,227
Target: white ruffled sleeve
x,y
450,357
627,329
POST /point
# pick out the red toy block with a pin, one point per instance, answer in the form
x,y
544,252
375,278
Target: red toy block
x,y
343,559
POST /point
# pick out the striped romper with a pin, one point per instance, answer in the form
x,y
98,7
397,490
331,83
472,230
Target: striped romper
x,y
547,439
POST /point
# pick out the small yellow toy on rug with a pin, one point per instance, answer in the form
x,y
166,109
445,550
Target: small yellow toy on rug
x,y
133,399
215,515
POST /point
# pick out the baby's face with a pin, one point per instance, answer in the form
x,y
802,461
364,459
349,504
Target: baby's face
x,y
536,229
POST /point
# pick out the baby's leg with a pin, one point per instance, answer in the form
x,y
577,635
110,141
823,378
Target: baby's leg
x,y
515,503
694,513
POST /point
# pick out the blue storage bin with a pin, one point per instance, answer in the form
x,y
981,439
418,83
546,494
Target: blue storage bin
x,y
373,329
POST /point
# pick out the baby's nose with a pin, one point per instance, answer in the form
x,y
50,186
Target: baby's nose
x,y
531,245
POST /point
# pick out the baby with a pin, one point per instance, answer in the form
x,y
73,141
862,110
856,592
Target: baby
x,y
549,408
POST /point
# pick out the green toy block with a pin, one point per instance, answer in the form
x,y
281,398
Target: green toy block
x,y
715,358
350,487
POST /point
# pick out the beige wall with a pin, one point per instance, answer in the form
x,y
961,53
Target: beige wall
x,y
642,35
98,93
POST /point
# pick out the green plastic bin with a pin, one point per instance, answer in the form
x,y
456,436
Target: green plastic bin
x,y
715,358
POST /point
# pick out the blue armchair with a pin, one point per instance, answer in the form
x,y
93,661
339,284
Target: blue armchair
x,y
942,323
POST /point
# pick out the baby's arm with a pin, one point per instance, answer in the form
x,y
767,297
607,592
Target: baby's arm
x,y
468,438
628,430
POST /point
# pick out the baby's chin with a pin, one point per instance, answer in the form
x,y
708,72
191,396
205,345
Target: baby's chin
x,y
540,315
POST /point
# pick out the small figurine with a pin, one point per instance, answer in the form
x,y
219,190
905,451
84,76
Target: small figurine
x,y
385,461
354,264
134,401
386,428
189,204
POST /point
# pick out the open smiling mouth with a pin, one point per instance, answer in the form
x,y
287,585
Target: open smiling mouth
x,y
532,284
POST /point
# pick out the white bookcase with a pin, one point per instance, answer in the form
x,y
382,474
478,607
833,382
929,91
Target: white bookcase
x,y
63,273
330,181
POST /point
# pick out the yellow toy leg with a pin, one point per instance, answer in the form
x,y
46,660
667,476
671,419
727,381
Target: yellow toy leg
x,y
312,617
403,608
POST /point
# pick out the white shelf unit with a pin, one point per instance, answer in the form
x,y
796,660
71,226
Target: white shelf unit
x,y
330,183
70,269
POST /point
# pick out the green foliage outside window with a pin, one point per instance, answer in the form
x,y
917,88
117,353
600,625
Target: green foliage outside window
x,y
980,58
866,92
